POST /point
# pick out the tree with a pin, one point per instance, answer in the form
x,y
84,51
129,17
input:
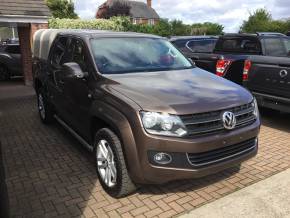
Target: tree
x,y
117,9
62,8
261,21
179,29
206,28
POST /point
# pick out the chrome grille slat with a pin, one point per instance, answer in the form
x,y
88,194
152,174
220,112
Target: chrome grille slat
x,y
211,122
222,154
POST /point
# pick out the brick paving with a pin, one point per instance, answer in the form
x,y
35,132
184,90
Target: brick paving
x,y
49,174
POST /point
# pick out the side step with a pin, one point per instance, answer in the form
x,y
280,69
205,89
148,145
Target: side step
x,y
77,136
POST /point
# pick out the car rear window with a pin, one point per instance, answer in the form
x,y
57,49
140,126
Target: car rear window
x,y
239,45
278,47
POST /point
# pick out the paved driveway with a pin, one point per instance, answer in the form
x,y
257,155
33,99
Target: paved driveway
x,y
49,174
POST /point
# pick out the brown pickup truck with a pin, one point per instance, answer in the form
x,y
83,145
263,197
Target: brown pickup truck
x,y
144,110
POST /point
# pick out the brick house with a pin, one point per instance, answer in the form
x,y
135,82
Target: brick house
x,y
140,12
27,17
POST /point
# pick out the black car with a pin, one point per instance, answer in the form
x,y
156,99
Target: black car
x,y
195,48
268,76
10,61
260,62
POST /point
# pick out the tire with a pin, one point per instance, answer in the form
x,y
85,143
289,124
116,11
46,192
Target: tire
x,y
120,185
45,110
4,73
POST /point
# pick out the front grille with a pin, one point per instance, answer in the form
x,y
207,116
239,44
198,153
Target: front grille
x,y
222,154
211,122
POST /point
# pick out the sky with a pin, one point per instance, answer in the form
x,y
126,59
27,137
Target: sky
x,y
229,13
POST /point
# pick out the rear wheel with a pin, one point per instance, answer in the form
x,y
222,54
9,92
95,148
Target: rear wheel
x,y
110,164
45,110
4,73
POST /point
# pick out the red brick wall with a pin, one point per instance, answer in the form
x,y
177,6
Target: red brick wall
x,y
35,27
25,47
25,34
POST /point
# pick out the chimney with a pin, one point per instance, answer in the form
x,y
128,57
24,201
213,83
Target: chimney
x,y
149,3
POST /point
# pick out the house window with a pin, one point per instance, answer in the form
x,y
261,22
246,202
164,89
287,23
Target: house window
x,y
151,21
134,21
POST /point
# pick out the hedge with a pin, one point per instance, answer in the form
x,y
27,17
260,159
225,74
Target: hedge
x,y
115,23
163,28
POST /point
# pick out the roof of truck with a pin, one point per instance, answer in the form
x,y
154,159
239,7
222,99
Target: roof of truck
x,y
43,39
174,38
99,33
253,34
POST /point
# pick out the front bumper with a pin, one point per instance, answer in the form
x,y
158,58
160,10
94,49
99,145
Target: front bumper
x,y
181,167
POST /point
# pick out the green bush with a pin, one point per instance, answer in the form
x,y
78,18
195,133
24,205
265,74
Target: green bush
x,y
261,21
116,23
164,27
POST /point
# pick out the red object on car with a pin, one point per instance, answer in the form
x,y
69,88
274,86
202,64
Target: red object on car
x,y
222,66
247,67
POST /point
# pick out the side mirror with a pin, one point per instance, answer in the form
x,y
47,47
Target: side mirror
x,y
74,70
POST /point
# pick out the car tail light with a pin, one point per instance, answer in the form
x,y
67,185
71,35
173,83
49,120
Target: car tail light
x,y
222,66
247,67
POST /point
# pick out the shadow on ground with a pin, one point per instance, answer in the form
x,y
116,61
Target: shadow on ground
x,y
275,119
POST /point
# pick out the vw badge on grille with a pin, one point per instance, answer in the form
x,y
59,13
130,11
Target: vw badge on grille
x,y
229,120
283,73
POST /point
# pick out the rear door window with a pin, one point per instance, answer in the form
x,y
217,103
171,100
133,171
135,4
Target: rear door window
x,y
201,45
276,47
180,44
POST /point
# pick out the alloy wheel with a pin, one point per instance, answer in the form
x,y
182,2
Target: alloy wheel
x,y
106,164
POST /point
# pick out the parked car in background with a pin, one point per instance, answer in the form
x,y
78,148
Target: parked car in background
x,y
196,48
230,55
147,114
288,34
268,76
10,61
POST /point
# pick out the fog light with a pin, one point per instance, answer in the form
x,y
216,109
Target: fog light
x,y
162,158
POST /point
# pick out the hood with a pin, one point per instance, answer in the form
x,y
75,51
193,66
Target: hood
x,y
180,92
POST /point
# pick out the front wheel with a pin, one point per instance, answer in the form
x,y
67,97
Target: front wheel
x,y
44,108
110,164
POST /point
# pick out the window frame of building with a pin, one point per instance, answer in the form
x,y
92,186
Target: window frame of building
x,y
151,22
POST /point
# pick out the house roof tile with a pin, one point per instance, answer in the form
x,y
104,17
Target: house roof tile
x,y
139,9
24,8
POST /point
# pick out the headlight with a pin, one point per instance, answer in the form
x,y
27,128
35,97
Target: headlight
x,y
256,109
162,124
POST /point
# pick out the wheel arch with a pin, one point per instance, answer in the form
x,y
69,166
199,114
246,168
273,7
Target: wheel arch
x,y
37,84
106,116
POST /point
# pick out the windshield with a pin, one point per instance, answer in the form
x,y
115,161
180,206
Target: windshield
x,y
125,55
